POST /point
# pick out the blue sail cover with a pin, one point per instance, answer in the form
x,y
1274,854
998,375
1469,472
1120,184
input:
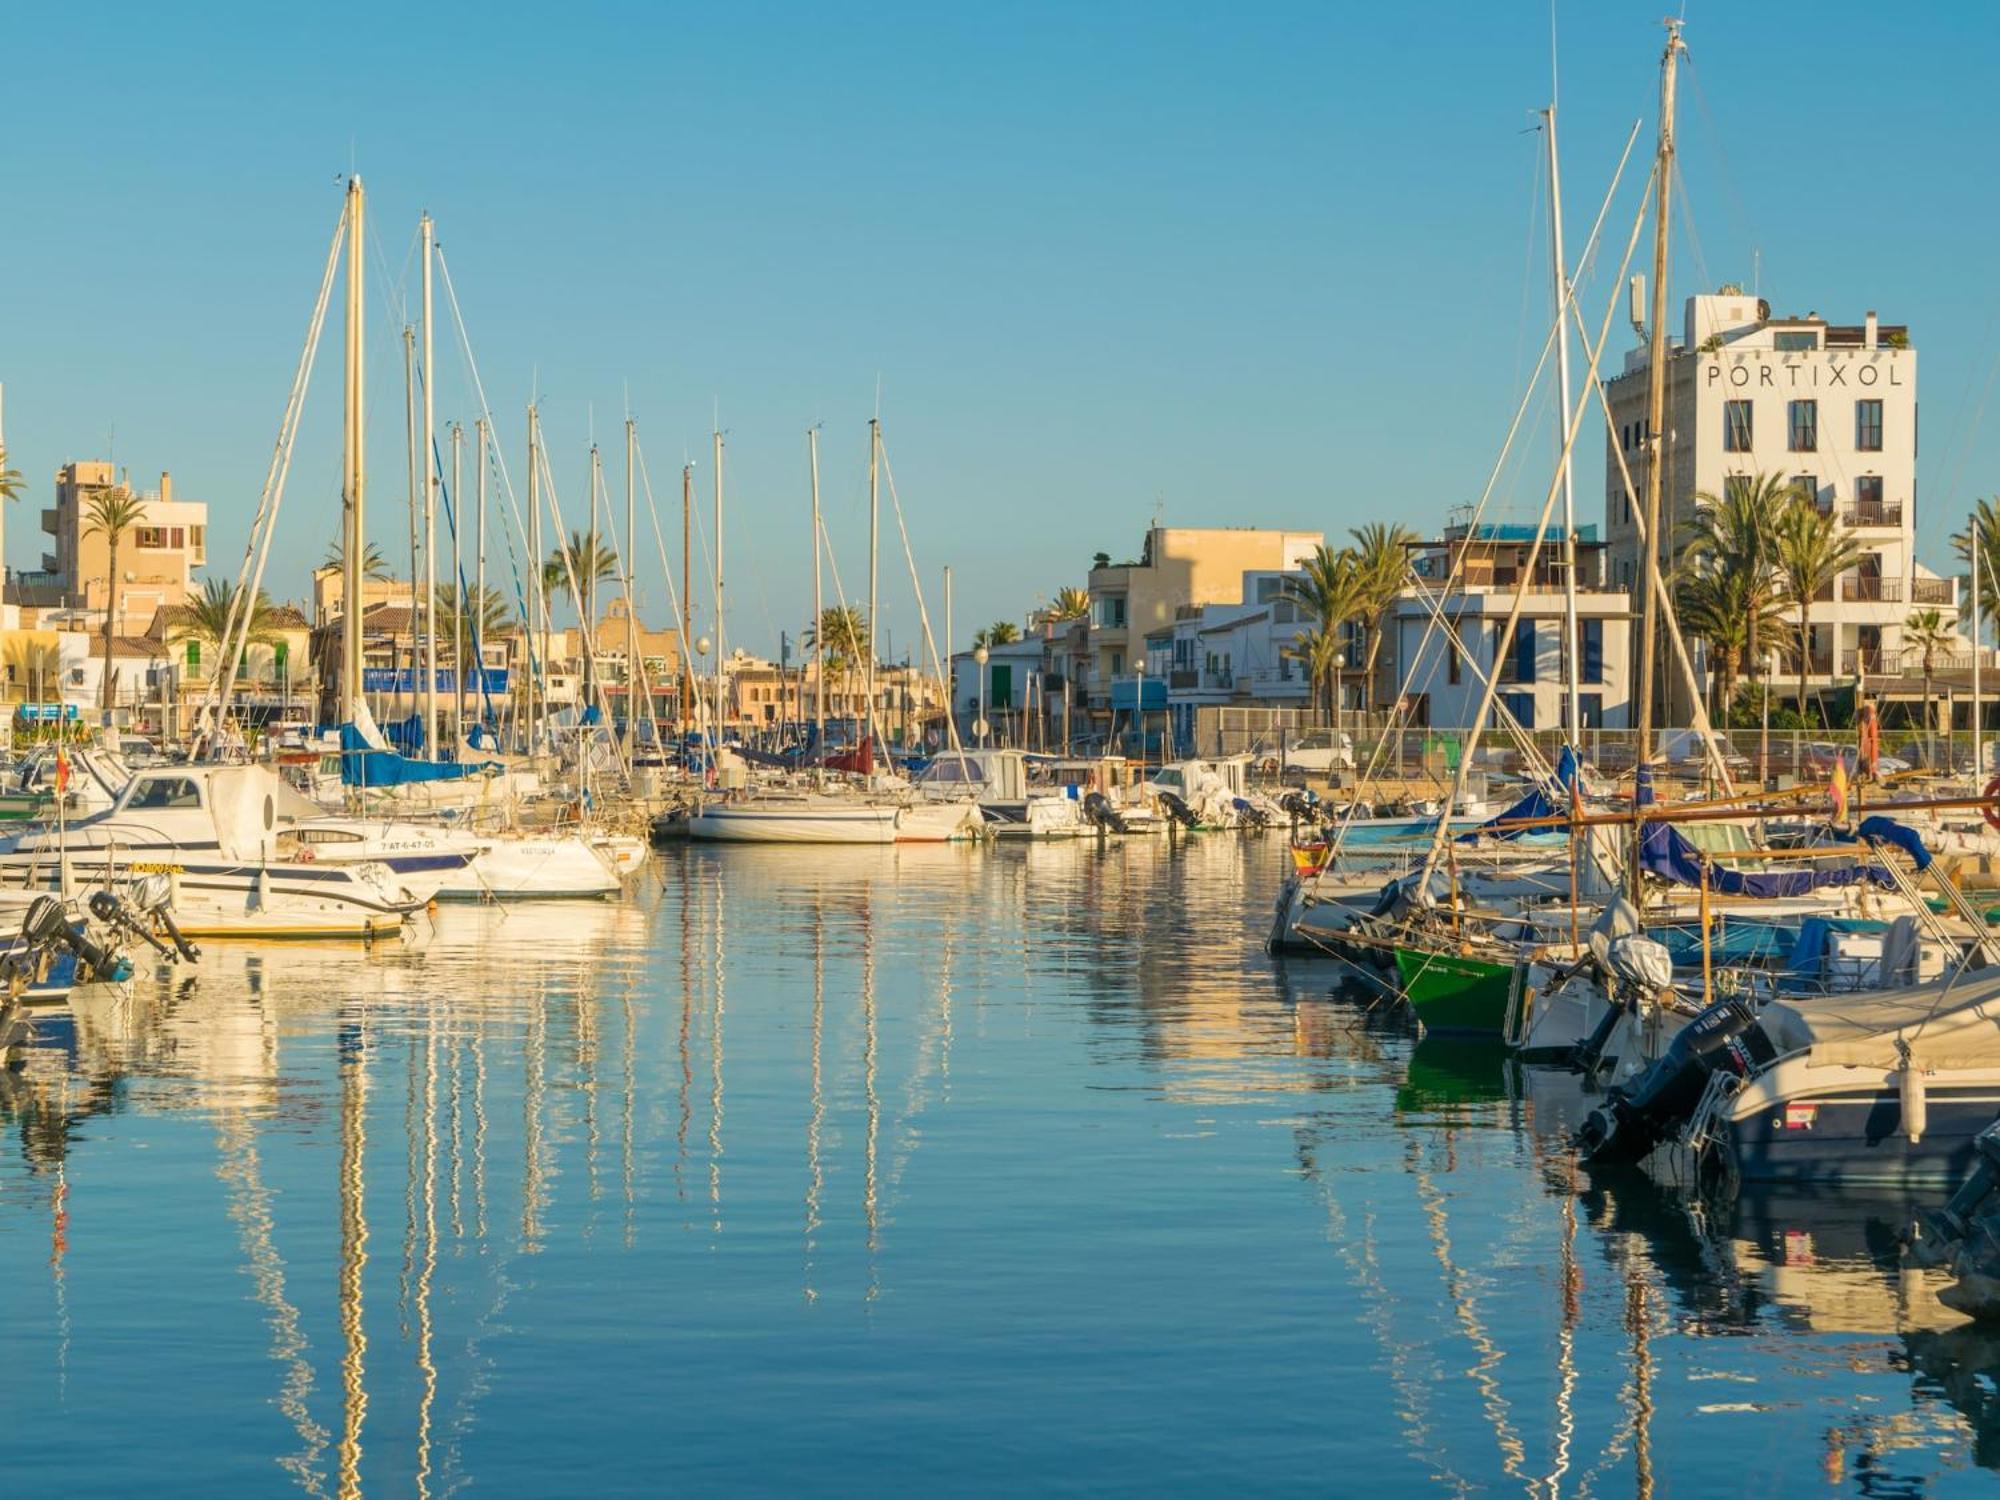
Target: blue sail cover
x,y
1666,852
1878,829
1539,803
361,765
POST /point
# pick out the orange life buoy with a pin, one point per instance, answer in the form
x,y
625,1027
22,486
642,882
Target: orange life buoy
x,y
306,855
1991,811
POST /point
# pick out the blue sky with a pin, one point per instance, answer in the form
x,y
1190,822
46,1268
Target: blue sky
x,y
1278,265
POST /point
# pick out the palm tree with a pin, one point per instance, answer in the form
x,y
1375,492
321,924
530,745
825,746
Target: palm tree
x,y
373,563
1316,649
584,558
11,488
113,511
1382,556
1071,604
1925,634
1332,589
1733,536
207,616
1002,633
1810,552
475,619
1723,607
841,638
1985,523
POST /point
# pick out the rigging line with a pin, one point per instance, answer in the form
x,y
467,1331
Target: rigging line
x,y
916,585
1680,197
1528,276
1714,136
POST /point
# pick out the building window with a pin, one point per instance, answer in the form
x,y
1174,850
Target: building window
x,y
1794,341
1807,487
1521,706
1736,427
1804,426
1524,651
1593,649
194,656
1868,426
1452,665
1111,611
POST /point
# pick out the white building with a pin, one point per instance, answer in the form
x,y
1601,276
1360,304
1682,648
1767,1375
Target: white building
x,y
1471,577
1831,407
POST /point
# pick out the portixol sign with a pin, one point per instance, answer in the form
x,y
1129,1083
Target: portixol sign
x,y
1819,375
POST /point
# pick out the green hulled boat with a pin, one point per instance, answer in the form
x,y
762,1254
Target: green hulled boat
x,y
1457,994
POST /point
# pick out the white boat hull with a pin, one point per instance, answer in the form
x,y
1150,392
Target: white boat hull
x,y
531,868
213,899
939,822
864,823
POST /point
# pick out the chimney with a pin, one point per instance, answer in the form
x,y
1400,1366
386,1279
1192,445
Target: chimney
x,y
167,480
1868,330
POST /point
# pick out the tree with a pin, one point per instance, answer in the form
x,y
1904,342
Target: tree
x,y
1316,649
1332,589
1071,604
584,558
841,637
473,621
1810,552
112,511
1732,543
11,488
1925,635
373,564
1723,608
1382,557
1001,633
1985,524
207,617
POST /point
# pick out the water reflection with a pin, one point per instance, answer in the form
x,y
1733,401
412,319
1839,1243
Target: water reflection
x,y
903,1140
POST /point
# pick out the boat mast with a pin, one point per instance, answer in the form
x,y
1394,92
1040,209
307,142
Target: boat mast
x,y
457,498
632,673
426,457
874,525
588,583
479,543
719,653
686,700
819,621
1573,634
353,475
410,465
535,642
1656,395
1978,538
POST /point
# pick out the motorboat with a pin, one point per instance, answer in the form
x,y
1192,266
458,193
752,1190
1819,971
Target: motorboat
x,y
236,866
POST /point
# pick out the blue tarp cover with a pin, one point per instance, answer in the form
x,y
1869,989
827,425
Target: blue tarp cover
x,y
1666,852
362,766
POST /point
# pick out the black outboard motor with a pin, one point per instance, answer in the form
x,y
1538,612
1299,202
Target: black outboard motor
x,y
152,895
46,924
1097,809
112,912
1250,815
1629,1124
1303,805
1178,810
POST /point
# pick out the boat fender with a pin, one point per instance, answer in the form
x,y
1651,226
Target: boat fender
x,y
1916,1105
1991,811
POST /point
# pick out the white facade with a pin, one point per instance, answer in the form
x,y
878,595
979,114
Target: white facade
x,y
1442,676
1832,408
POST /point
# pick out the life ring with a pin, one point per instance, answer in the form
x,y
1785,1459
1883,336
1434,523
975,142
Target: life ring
x,y
1991,811
306,855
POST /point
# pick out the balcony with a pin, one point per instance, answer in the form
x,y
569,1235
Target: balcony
x,y
1870,663
1182,678
1873,513
1933,591
1868,590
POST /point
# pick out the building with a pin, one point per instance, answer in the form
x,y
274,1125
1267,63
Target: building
x,y
1177,566
1471,577
274,684
661,660
327,601
156,558
1832,407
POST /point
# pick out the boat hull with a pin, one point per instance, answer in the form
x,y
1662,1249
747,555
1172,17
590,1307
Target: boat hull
x,y
1454,994
233,900
1851,1131
755,825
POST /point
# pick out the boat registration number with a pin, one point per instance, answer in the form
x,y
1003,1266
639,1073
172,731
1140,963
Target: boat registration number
x,y
155,867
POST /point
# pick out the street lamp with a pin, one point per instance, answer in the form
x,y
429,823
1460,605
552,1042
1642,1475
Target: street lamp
x,y
980,656
1764,732
1339,662
1139,706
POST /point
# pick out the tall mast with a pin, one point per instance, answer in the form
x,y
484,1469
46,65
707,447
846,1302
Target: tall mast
x,y
632,672
535,635
686,701
1978,538
720,702
353,479
588,583
479,544
458,625
426,458
819,622
874,524
1573,637
411,503
1656,394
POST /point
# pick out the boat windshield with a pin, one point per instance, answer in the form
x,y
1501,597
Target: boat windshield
x,y
952,770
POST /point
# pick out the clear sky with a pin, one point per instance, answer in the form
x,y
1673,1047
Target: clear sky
x,y
1270,265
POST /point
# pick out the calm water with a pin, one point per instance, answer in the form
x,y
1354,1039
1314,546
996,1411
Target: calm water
x,y
913,1171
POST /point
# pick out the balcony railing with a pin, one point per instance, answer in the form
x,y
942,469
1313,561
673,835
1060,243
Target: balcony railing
x,y
1866,590
1182,678
1873,513
1931,590
1857,663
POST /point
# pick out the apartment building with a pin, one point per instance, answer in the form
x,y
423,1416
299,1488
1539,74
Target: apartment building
x,y
156,558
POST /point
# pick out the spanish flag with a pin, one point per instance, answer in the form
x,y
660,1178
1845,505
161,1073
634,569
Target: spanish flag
x,y
1836,791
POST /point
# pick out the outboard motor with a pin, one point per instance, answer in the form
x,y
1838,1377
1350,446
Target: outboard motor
x,y
1097,809
1178,810
45,924
1725,1038
1303,805
153,895
1249,814
114,913
1965,1235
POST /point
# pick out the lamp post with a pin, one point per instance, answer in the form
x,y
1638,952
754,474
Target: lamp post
x,y
980,656
1339,663
1764,730
1139,707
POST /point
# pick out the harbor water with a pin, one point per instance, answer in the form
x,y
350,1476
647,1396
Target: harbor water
x,y
908,1170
